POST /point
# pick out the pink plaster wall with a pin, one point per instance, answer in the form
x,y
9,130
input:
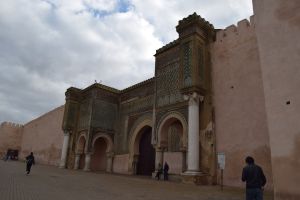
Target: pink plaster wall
x,y
278,30
10,137
44,137
240,116
174,160
120,164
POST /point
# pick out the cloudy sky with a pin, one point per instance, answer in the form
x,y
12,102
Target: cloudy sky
x,y
47,46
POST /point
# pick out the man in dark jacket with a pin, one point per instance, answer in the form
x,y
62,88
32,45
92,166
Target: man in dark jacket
x,y
255,180
29,162
166,171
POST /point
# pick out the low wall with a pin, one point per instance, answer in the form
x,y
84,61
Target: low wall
x,y
120,164
174,160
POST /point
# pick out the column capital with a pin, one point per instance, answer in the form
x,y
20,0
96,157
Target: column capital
x,y
110,154
193,98
159,149
88,153
67,132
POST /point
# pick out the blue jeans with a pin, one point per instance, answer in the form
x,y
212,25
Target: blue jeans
x,y
254,194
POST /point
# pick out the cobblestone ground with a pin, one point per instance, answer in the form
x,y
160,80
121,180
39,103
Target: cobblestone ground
x,y
51,183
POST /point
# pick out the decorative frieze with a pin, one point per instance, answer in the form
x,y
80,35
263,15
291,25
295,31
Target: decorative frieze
x,y
168,85
187,64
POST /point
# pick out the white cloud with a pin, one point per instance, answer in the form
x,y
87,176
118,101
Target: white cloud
x,y
47,46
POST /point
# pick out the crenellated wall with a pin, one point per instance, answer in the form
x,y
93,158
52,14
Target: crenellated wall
x,y
238,98
44,137
10,137
278,30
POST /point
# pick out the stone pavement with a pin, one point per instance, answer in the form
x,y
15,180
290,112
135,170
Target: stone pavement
x,y
51,183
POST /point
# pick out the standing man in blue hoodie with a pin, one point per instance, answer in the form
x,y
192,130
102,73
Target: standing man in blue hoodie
x,y
255,180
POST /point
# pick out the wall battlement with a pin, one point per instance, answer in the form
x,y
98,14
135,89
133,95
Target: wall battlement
x,y
242,28
10,125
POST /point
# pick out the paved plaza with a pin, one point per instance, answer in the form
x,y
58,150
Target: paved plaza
x,y
51,183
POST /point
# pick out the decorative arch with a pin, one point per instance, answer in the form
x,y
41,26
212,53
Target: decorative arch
x,y
135,135
107,139
101,152
168,119
79,146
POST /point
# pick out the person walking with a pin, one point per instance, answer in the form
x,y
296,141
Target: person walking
x,y
166,171
255,180
29,162
159,171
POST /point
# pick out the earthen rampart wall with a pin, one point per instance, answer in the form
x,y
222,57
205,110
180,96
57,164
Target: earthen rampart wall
x,y
240,115
10,137
278,29
44,137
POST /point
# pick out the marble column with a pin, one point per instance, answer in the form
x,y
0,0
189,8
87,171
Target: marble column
x,y
64,151
77,159
87,162
193,133
109,161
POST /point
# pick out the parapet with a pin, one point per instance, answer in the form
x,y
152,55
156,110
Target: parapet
x,y
194,23
242,28
140,84
10,125
167,46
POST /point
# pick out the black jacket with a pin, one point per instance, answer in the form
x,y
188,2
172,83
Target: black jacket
x,y
166,168
254,176
30,160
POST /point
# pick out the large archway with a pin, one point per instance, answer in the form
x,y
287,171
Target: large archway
x,y
101,159
146,157
172,140
140,136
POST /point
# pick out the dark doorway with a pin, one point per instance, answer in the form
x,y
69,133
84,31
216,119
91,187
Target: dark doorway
x,y
146,161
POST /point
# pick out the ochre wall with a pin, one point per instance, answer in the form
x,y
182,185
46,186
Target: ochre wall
x,y
240,119
44,137
10,137
278,29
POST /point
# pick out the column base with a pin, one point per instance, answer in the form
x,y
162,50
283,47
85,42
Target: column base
x,y
198,178
62,166
192,173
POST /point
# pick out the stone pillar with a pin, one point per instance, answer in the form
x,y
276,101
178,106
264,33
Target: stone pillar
x,y
193,133
109,161
64,151
77,159
158,158
87,162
